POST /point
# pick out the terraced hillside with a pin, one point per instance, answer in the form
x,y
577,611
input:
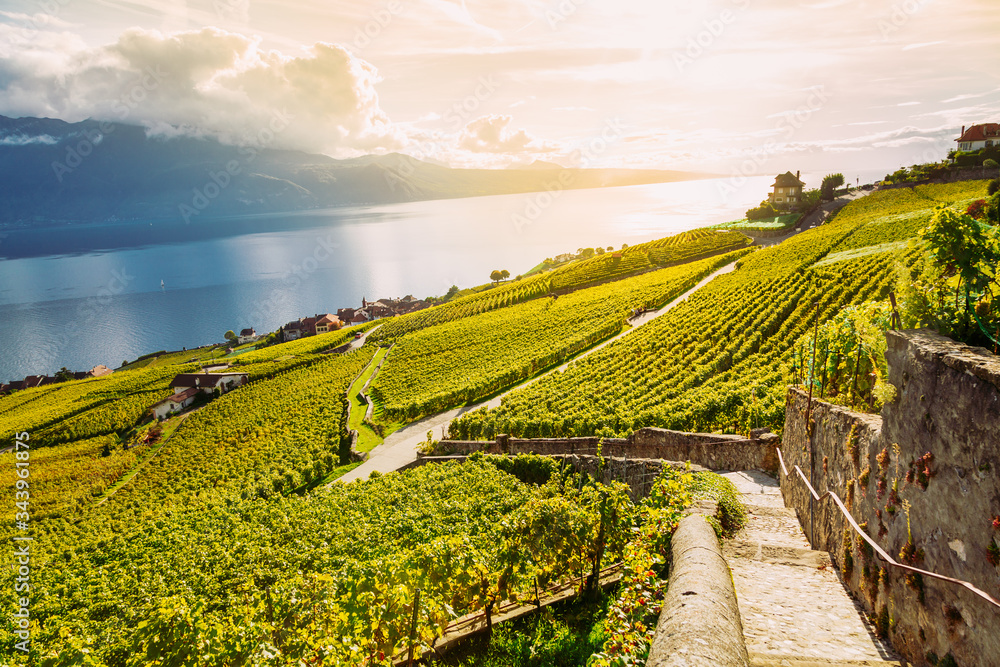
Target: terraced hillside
x,y
721,360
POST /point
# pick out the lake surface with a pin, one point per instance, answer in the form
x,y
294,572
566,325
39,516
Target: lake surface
x,y
82,296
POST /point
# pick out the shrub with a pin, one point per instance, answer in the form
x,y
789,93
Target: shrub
x,y
762,212
977,209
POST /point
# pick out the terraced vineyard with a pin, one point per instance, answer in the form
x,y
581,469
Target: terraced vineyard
x,y
441,366
686,246
720,360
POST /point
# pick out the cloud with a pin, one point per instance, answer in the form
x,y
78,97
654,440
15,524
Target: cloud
x,y
493,134
24,140
206,82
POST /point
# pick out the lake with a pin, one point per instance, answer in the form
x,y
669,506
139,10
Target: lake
x,y
87,295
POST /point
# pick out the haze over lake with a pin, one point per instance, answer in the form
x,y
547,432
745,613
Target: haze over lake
x,y
78,297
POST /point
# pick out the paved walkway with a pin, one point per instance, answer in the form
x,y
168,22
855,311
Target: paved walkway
x,y
400,448
794,608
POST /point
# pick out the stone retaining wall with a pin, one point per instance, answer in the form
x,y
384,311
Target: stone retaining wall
x,y
948,404
710,450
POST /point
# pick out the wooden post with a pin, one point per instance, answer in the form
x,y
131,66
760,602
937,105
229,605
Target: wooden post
x,y
413,628
812,368
812,372
538,600
857,365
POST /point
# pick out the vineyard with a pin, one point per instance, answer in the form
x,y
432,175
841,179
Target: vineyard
x,y
331,578
687,246
722,359
460,361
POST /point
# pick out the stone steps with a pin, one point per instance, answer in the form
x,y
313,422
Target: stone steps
x,y
765,660
794,609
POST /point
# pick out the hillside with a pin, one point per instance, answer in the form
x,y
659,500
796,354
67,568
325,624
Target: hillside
x,y
214,532
52,171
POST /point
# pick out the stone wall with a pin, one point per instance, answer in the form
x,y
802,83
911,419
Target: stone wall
x,y
710,450
948,405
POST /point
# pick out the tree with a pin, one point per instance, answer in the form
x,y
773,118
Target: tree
x,y
496,276
600,250
452,291
954,290
830,183
230,335
504,274
991,164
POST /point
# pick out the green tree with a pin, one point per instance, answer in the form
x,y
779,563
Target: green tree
x,y
496,276
954,289
830,183
230,335
504,274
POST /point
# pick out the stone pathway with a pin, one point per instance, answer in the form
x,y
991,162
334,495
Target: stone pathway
x,y
795,610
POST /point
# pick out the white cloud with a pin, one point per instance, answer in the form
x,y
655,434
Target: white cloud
x,y
493,134
206,82
24,140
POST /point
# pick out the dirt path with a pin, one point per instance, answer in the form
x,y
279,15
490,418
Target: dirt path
x,y
400,448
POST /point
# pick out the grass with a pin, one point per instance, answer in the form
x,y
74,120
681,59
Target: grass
x,y
857,253
367,438
781,222
563,635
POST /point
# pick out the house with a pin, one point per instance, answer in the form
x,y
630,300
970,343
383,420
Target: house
x,y
345,314
292,331
247,336
565,257
208,382
174,403
787,191
976,137
99,371
327,323
360,317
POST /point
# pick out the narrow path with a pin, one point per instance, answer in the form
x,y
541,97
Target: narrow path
x,y
127,477
400,448
794,608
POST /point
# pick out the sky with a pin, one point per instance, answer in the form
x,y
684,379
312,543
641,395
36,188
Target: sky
x,y
749,87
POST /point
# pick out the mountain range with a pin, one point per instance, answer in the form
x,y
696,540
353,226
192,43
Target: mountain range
x,y
54,172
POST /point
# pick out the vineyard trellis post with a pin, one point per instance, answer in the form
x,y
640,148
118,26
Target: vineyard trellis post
x,y
812,373
857,366
413,628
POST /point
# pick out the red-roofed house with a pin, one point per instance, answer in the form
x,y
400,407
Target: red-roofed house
x,y
985,135
327,323
175,403
207,382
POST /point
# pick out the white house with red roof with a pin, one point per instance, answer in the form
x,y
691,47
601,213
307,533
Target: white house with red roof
x,y
985,135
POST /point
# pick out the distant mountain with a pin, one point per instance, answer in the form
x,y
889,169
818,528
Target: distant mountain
x,y
52,171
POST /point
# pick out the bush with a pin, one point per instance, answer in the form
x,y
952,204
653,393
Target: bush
x,y
528,468
977,209
993,186
762,212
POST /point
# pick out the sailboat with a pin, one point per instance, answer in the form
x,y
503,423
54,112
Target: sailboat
x,y
161,285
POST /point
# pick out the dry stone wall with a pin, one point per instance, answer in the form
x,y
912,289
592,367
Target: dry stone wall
x,y
922,481
710,450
